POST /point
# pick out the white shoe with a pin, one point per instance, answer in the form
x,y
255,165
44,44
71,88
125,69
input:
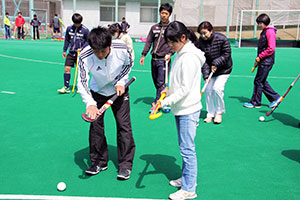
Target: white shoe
x,y
182,194
176,183
208,119
64,90
218,119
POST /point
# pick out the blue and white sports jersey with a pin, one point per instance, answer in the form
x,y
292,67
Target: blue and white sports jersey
x,y
105,74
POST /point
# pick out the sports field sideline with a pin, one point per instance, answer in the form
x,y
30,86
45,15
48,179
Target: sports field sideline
x,y
45,141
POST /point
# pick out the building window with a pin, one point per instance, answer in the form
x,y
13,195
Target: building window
x,y
107,11
148,12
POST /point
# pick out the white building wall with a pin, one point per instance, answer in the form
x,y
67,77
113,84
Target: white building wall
x,y
90,10
137,29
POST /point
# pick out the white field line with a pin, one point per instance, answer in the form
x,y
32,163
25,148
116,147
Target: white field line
x,y
7,92
135,70
274,77
31,60
42,197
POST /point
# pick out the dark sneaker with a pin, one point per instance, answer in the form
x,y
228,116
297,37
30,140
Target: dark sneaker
x,y
95,169
124,174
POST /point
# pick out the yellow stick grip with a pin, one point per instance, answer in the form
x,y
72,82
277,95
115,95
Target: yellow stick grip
x,y
76,70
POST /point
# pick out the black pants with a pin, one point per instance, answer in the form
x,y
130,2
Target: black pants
x,y
125,142
36,29
261,85
158,75
21,32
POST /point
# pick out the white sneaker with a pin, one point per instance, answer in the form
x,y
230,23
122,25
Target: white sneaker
x,y
208,119
182,194
176,183
64,90
218,119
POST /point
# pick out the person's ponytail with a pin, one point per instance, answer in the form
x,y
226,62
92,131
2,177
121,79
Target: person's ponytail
x,y
192,37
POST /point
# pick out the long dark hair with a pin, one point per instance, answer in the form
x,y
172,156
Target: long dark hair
x,y
176,29
113,28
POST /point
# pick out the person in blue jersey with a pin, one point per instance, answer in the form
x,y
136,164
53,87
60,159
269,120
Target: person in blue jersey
x,y
109,64
75,38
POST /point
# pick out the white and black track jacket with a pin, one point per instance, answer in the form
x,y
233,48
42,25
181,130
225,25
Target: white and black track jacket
x,y
105,74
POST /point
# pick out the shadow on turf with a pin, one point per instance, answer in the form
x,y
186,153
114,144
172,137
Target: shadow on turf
x,y
162,164
145,100
82,159
292,154
241,99
244,100
285,119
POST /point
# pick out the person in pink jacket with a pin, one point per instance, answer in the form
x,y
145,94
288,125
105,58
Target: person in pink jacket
x,y
20,21
265,60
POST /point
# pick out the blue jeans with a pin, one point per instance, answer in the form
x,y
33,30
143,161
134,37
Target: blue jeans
x,y
186,128
7,32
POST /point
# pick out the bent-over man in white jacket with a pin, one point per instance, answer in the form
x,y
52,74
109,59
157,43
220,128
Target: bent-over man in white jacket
x,y
109,63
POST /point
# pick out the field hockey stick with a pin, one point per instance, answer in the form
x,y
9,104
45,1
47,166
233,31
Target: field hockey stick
x,y
154,114
106,105
166,109
281,98
76,70
255,65
166,74
205,85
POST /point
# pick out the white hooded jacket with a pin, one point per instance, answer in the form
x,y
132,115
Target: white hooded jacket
x,y
185,81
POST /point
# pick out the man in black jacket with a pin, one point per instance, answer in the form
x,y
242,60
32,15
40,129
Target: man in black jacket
x,y
160,49
218,60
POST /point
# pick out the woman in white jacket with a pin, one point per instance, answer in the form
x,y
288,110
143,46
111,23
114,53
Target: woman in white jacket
x,y
183,96
117,33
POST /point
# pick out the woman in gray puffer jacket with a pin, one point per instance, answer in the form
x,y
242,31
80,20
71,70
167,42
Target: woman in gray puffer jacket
x,y
218,60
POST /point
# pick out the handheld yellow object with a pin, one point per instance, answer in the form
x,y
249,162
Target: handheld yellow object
x,y
76,70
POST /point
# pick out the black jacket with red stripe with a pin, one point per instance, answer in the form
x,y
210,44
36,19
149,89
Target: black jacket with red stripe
x,y
156,37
